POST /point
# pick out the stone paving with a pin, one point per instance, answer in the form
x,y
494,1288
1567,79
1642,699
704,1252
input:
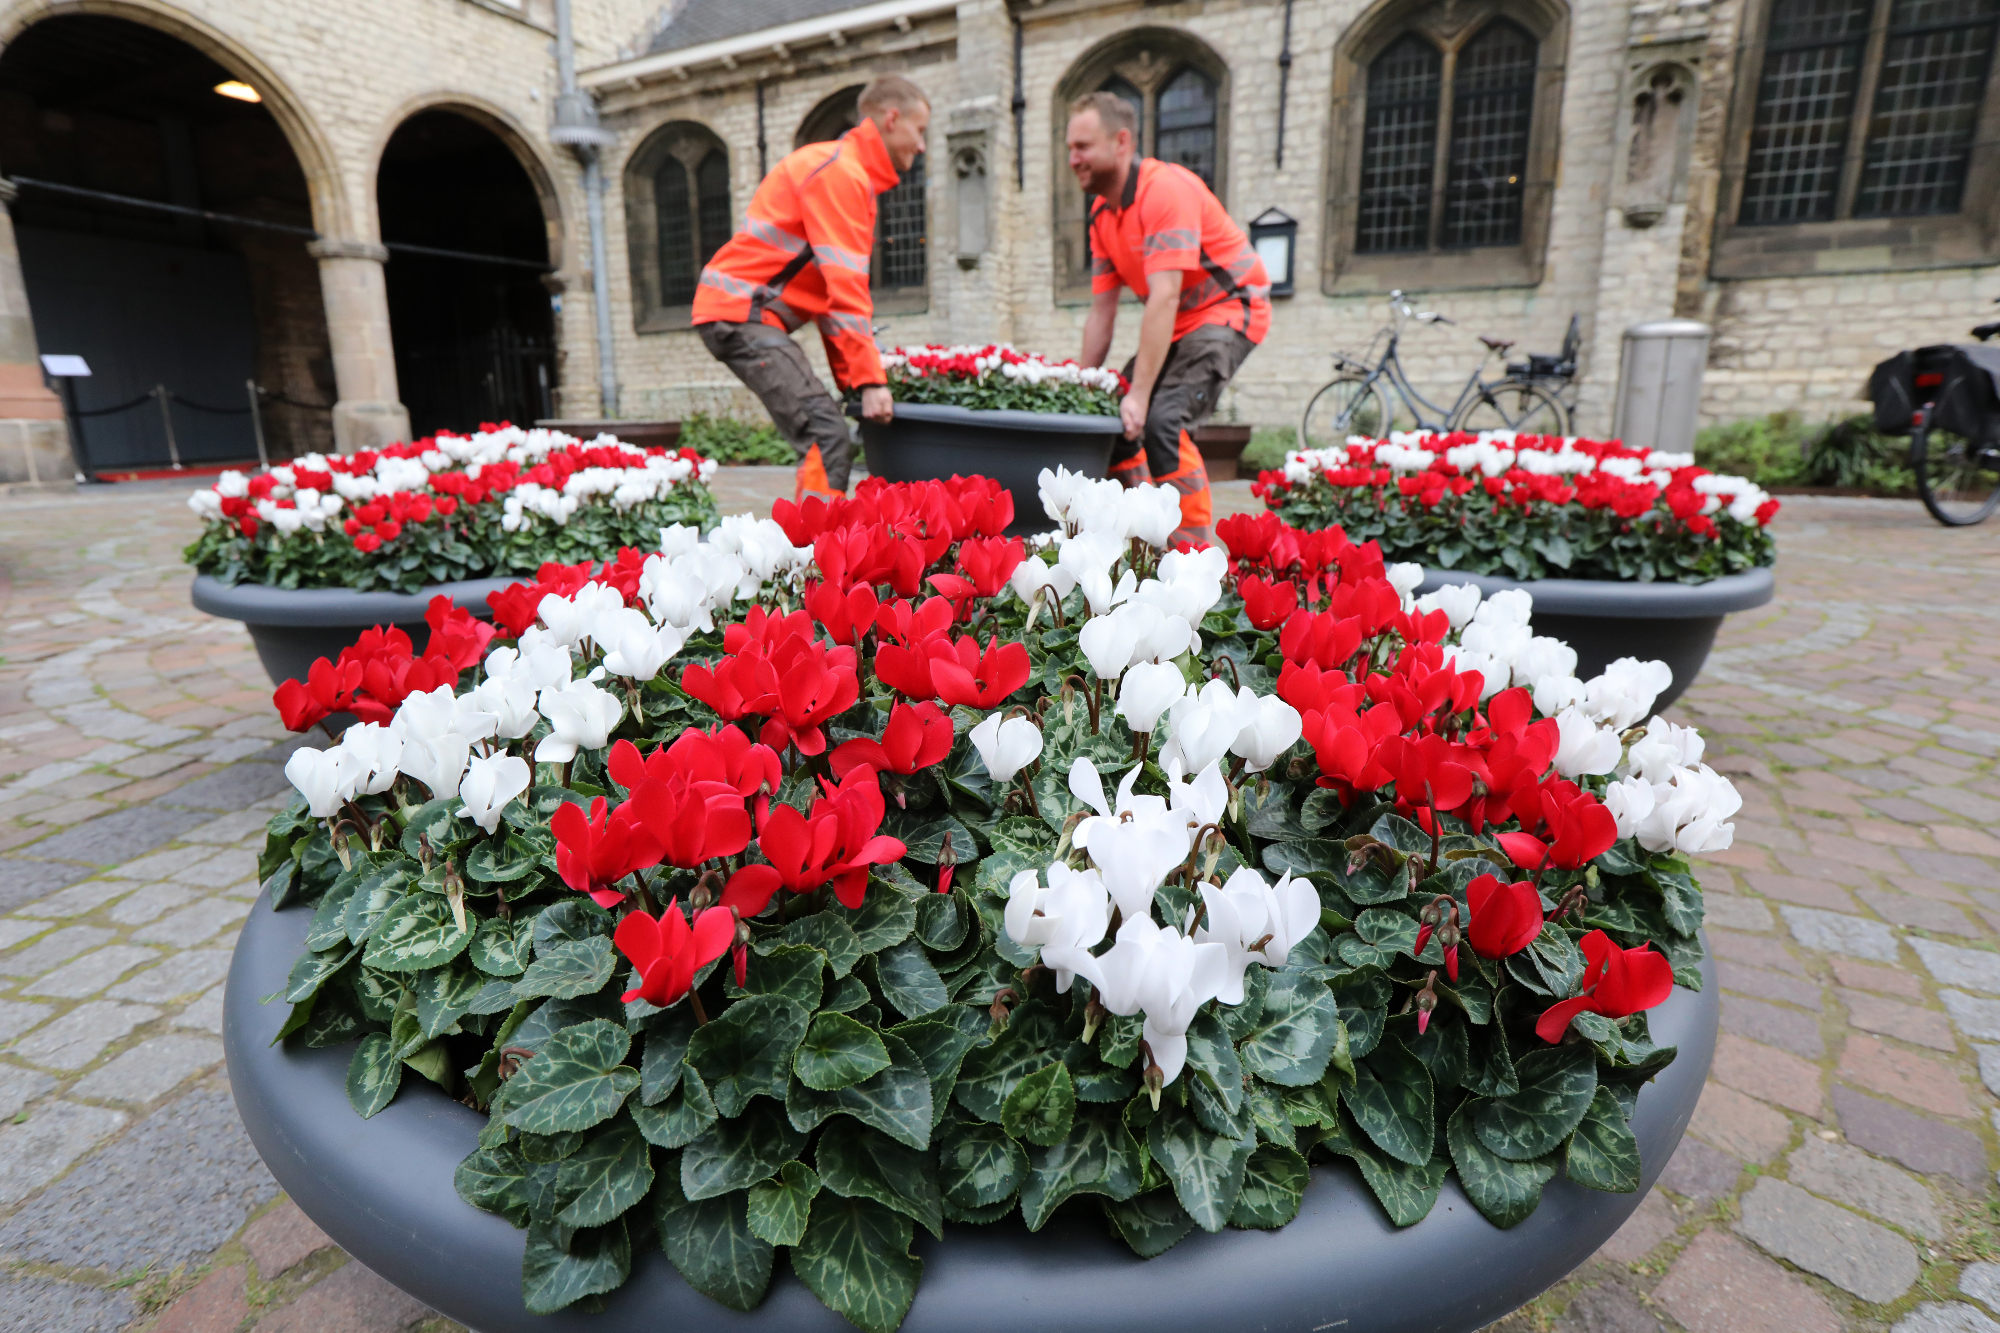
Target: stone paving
x,y
1838,1175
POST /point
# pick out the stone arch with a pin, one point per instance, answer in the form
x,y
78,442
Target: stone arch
x,y
333,212
503,127
1448,27
1141,62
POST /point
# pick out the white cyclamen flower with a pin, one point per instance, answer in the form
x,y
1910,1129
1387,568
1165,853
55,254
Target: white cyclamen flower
x,y
490,782
1664,748
1584,747
633,647
1457,600
1163,974
1065,920
1256,922
580,716
1147,691
1006,747
326,778
1624,694
1204,724
376,752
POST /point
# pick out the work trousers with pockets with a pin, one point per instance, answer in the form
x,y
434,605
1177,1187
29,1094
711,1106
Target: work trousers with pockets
x,y
774,367
1191,381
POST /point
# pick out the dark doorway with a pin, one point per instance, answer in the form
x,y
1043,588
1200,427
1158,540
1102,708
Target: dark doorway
x,y
475,340
149,298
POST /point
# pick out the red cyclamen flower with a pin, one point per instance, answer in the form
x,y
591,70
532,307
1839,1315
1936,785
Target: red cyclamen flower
x,y
917,736
327,690
836,843
1506,918
1616,982
668,952
594,853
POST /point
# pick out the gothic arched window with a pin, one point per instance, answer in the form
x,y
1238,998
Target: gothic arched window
x,y
677,215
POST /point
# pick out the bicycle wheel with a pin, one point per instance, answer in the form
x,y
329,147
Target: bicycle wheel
x,y
1350,405
1516,405
1958,478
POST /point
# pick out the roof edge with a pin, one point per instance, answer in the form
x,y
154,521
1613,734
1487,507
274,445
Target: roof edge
x,y
884,13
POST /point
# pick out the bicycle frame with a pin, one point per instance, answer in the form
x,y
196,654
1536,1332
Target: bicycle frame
x,y
1389,372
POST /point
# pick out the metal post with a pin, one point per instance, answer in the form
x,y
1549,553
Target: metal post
x,y
167,419
1284,81
763,148
257,425
1020,109
84,471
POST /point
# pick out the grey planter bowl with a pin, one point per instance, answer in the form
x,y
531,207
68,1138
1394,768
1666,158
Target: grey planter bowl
x,y
293,627
382,1188
926,442
1605,620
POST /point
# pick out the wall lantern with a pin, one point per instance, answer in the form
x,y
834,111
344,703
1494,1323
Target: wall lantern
x,y
1275,237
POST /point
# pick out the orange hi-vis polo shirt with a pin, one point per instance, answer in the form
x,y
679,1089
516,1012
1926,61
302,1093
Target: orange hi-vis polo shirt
x,y
803,252
1168,219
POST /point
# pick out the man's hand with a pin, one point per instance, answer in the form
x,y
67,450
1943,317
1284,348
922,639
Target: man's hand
x,y
877,405
1132,412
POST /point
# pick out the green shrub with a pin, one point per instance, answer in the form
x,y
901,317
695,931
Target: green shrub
x,y
1266,450
727,440
1782,449
1768,450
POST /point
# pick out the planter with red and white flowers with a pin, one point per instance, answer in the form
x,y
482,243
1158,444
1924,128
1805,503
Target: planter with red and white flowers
x,y
310,553
994,412
1625,551
939,910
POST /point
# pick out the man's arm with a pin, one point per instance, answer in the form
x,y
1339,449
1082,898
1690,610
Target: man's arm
x,y
1156,335
839,218
1097,327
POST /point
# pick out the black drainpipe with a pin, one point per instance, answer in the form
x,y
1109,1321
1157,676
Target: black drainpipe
x,y
1284,81
763,164
1021,115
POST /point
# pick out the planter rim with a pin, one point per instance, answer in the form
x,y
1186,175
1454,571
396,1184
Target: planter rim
x,y
382,1188
1009,418
1618,600
261,604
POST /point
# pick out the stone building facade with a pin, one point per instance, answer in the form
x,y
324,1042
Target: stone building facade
x,y
1815,179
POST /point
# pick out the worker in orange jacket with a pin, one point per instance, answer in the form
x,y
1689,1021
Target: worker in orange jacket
x,y
803,255
1157,229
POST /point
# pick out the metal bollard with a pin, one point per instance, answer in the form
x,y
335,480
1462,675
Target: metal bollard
x,y
167,419
1659,384
257,425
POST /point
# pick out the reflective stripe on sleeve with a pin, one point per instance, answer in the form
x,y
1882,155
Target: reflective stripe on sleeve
x,y
838,258
835,322
771,234
1177,238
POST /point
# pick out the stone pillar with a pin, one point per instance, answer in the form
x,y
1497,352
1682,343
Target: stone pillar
x,y
34,437
367,414
977,179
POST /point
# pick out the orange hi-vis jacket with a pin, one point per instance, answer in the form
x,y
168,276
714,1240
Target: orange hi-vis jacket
x,y
803,252
1168,219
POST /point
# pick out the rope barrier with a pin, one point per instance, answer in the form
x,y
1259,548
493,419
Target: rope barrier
x,y
122,407
204,407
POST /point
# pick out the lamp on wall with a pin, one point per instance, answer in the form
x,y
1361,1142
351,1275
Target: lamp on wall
x,y
1274,235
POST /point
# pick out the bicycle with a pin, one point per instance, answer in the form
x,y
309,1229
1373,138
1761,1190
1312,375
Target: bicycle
x,y
1958,476
1356,401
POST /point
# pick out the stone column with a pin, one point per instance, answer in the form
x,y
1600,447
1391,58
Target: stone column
x,y
367,414
34,437
977,175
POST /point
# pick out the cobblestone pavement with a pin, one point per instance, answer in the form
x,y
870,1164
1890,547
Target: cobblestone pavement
x,y
1838,1175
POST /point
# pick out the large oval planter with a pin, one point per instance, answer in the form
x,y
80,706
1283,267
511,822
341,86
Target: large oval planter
x,y
1605,620
382,1188
926,442
293,627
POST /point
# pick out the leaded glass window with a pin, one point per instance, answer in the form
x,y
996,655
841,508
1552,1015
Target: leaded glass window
x,y
1137,101
900,243
1866,108
1493,89
672,204
1187,115
1399,146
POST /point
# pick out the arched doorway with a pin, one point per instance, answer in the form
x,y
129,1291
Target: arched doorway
x,y
101,117
474,330
899,272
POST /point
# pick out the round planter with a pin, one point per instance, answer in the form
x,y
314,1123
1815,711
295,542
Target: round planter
x,y
294,627
1222,449
1605,620
926,442
382,1188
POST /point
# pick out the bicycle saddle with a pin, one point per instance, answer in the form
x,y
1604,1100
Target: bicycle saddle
x,y
1496,344
1985,331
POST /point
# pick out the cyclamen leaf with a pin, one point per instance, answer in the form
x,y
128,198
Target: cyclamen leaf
x,y
374,894
1211,1053
1041,1107
1557,1087
574,918
779,1206
855,1256
1027,1043
496,1180
712,1244
1099,1157
910,982
1206,1170
1405,1192
837,1051
886,917
667,1037
575,1082
444,996
1274,1185
1603,1153
979,1165
747,1051
896,1101
1506,1192
596,1260
941,1042
862,1163
942,921
608,1174
1293,1039
373,1075
1096,1081
500,948
1151,1223
1391,1102
329,923
825,932
738,1153
684,1117
313,970
416,933
790,970
566,969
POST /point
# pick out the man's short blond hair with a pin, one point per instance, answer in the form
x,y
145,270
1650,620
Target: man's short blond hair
x,y
1113,112
891,90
